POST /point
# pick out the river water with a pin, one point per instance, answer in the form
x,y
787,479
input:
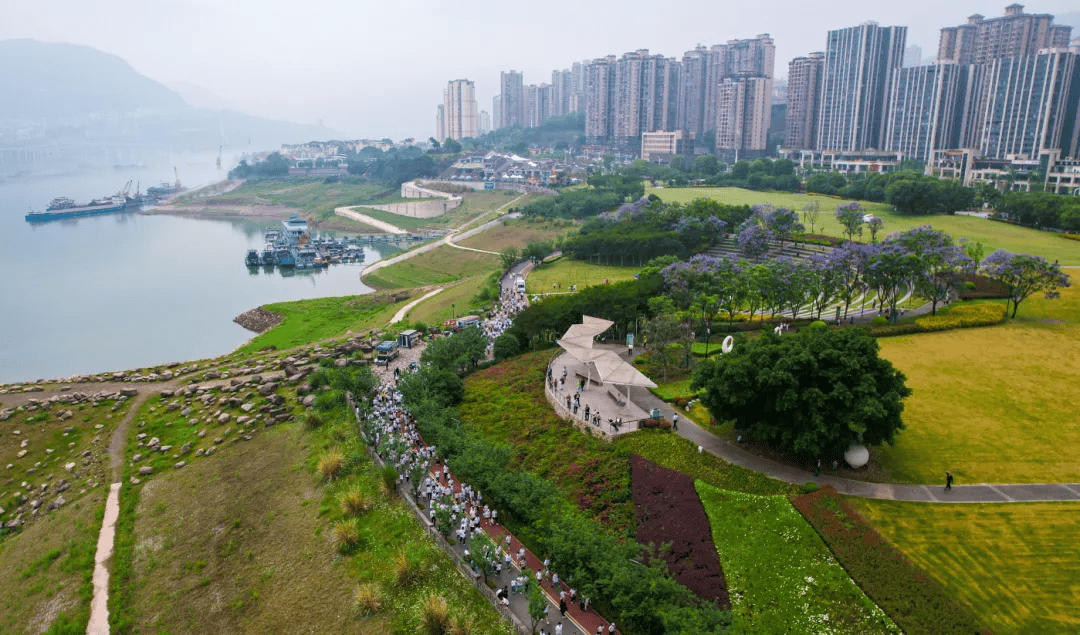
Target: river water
x,y
123,291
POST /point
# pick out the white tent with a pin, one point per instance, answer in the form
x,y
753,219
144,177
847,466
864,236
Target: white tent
x,y
612,369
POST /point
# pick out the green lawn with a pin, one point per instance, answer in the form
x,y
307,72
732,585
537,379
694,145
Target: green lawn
x,y
780,575
311,320
439,266
566,272
310,195
991,234
992,405
1015,565
454,300
517,233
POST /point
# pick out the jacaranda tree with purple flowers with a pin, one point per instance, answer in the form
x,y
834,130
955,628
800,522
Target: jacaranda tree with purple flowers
x,y
891,268
941,262
1024,275
754,239
850,216
783,224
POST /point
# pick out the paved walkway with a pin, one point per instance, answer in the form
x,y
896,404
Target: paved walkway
x,y
403,311
350,212
975,493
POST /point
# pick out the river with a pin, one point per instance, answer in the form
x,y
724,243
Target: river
x,y
123,291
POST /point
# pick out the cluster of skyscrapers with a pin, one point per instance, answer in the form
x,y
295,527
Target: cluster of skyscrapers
x,y
1002,90
725,88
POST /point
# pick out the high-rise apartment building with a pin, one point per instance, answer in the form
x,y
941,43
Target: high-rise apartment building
x,y
859,63
744,112
693,80
803,94
927,109
496,112
538,104
1024,106
913,56
600,98
512,105
485,122
1016,33
440,123
459,113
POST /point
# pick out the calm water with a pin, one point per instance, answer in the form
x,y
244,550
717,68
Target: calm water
x,y
124,291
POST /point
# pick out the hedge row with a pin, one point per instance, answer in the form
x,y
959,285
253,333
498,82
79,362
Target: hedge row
x,y
964,316
642,599
912,599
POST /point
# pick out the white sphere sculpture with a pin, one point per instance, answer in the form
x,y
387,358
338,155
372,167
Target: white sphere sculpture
x,y
857,455
729,343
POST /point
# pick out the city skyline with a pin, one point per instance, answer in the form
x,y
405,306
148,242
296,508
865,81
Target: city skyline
x,y
377,70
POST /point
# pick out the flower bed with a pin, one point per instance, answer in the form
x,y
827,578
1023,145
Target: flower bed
x,y
781,577
914,601
964,316
669,511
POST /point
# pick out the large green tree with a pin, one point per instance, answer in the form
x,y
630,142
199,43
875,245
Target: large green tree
x,y
811,394
457,353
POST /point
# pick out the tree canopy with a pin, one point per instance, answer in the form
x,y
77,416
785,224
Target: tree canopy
x,y
811,394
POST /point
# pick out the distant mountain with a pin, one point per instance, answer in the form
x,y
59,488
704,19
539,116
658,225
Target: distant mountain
x,y
201,96
65,80
70,98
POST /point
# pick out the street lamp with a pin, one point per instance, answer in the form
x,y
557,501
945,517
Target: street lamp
x,y
453,307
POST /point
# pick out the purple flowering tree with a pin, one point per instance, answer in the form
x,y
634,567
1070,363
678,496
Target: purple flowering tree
x,y
874,225
754,239
1024,275
827,282
848,264
891,268
941,262
783,224
850,216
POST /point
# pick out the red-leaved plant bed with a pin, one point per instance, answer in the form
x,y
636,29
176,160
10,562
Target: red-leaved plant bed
x,y
911,598
668,510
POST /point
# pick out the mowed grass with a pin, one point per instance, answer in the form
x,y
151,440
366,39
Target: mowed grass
x,y
1015,565
516,233
781,576
992,405
453,301
566,272
993,235
438,266
232,544
312,320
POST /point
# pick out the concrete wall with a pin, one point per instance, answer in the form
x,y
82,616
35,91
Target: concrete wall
x,y
421,209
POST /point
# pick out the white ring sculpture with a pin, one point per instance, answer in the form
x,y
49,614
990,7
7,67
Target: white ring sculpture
x,y
729,343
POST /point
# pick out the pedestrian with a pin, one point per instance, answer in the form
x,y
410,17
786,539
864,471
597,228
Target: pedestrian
x,y
817,470
555,580
611,627
558,629
675,421
562,606
600,630
948,481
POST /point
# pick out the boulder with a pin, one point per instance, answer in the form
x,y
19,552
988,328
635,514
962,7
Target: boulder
x,y
146,470
309,400
57,503
267,389
223,418
180,464
184,449
69,467
248,407
136,458
129,392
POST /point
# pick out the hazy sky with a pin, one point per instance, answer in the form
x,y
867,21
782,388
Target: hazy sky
x,y
377,68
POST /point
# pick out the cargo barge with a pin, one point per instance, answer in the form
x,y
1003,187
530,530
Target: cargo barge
x,y
66,208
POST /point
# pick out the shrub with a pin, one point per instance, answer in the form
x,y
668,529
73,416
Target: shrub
x,y
817,324
331,463
436,616
809,487
462,626
312,421
354,502
389,479
969,285
964,316
346,534
880,320
369,598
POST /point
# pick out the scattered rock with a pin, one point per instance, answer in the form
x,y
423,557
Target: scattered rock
x,y
223,417
134,481
180,464
146,470
129,392
69,467
200,452
309,400
248,407
165,448
21,454
184,449
136,458
57,504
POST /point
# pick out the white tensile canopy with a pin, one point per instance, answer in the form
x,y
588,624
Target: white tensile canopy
x,y
612,369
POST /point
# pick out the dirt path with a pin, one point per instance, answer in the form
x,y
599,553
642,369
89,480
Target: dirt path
x,y
99,605
403,311
120,434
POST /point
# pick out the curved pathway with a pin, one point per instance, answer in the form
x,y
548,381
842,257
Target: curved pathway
x,y
403,311
977,493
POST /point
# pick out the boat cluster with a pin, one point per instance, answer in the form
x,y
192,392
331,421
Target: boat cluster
x,y
304,252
